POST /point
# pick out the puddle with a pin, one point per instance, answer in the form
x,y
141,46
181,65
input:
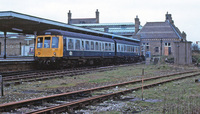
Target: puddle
x,y
153,100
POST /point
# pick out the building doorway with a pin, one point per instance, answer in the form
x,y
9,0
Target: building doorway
x,y
167,50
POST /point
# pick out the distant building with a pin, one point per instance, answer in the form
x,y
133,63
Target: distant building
x,y
159,39
83,20
124,29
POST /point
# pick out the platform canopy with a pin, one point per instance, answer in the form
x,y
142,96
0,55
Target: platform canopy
x,y
21,23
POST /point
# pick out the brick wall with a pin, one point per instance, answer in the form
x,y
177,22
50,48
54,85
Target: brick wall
x,y
157,47
13,46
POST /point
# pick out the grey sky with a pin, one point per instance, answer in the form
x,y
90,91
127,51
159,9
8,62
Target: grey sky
x,y
185,13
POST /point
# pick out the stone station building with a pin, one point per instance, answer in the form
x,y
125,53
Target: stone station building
x,y
160,39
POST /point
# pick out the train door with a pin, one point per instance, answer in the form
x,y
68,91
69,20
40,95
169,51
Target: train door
x,y
82,48
64,46
103,49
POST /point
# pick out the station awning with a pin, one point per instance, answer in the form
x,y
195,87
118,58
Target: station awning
x,y
21,23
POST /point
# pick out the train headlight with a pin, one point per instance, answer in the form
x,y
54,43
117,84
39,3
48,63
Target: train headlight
x,y
54,53
39,53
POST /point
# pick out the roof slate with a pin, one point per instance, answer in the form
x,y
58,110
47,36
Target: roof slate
x,y
159,30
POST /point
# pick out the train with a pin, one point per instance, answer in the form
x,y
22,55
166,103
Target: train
x,y
59,48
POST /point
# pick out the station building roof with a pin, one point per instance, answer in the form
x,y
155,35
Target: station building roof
x,y
22,23
127,28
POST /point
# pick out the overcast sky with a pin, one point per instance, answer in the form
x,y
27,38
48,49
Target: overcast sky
x,y
185,13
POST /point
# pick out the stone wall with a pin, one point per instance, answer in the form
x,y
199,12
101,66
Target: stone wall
x,y
157,47
183,53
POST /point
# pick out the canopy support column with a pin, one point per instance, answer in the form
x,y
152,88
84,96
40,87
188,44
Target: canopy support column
x,y
4,44
35,35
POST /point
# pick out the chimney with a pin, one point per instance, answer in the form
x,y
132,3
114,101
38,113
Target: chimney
x,y
169,18
137,24
97,16
184,35
69,17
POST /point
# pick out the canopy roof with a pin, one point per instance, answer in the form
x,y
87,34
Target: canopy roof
x,y
21,23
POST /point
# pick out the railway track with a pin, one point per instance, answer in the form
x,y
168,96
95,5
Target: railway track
x,y
76,99
45,75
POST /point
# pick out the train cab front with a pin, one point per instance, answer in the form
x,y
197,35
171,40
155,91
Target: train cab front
x,y
48,49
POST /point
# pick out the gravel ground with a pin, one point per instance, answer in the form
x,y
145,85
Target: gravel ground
x,y
30,90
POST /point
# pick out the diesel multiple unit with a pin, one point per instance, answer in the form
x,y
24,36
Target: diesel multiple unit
x,y
63,48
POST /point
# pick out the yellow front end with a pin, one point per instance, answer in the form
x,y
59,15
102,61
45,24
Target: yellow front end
x,y
49,46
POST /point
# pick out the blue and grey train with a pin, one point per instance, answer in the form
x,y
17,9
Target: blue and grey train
x,y
64,48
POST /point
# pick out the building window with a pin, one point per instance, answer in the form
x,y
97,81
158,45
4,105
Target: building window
x,y
147,47
167,44
157,49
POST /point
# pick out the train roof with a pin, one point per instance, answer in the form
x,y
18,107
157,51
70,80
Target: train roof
x,y
73,34
79,35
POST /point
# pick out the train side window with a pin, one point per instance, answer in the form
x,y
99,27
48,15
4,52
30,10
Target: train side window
x,y
47,42
129,48
92,45
96,46
77,44
70,43
82,45
136,49
125,48
122,48
39,42
113,47
110,47
118,49
87,45
100,46
55,41
133,49
106,47
103,46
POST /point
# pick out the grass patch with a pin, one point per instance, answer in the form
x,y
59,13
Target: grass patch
x,y
177,97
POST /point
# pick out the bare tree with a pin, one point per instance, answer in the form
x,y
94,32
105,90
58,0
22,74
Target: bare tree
x,y
195,48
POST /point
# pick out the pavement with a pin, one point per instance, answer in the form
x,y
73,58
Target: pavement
x,y
16,58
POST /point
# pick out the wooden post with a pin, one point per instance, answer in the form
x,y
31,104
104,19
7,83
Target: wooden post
x,y
142,81
1,82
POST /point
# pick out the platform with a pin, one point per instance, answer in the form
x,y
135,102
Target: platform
x,y
17,59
